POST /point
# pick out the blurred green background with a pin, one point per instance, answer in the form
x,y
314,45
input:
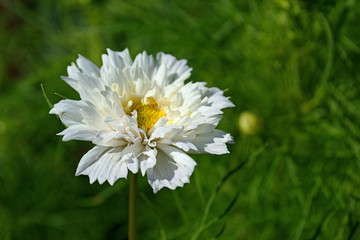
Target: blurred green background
x,y
294,64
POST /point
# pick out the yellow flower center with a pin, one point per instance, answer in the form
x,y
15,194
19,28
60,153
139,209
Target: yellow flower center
x,y
148,114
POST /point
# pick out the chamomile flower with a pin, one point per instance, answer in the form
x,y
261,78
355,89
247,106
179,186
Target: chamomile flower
x,y
141,116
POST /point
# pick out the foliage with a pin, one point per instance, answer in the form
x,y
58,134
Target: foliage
x,y
293,63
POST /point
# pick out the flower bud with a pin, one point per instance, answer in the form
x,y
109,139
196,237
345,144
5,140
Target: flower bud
x,y
249,123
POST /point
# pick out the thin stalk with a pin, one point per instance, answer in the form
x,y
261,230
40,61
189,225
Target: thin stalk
x,y
132,207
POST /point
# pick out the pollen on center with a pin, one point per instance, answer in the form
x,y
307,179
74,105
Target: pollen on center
x,y
148,114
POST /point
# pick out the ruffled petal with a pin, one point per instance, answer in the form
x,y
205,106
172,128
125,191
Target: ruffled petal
x,y
160,76
173,168
102,164
176,68
184,145
219,101
213,142
72,82
165,134
147,159
146,63
84,77
89,159
116,60
78,132
130,154
110,139
88,66
219,145
73,71
68,111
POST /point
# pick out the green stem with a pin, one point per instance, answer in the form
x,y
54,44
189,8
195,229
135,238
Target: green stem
x,y
132,207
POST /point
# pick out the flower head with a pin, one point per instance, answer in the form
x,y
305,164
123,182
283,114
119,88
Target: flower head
x,y
141,116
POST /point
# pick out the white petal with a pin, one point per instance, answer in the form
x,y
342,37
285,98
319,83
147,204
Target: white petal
x,y
117,59
160,76
131,153
213,142
119,170
68,111
87,66
92,117
219,145
89,159
90,94
73,70
86,81
217,99
176,68
173,168
160,123
89,88
165,134
131,160
114,59
184,145
220,102
133,164
145,62
208,111
147,159
78,132
72,82
125,55
110,139
181,77
103,164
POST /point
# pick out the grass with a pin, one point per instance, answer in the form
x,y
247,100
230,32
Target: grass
x,y
292,63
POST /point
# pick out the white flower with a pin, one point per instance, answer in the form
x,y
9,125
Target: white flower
x,y
141,116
